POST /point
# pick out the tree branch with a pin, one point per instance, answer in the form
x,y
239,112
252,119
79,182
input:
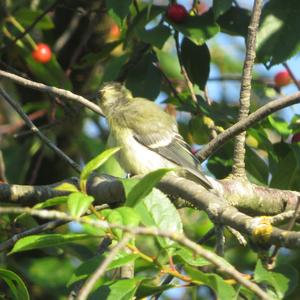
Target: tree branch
x,y
89,284
35,130
238,168
223,265
53,90
244,124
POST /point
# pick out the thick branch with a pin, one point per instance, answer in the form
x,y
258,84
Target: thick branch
x,y
109,190
222,265
244,124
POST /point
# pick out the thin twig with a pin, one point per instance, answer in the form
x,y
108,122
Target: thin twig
x,y
53,90
31,26
272,259
34,129
242,125
89,284
38,229
224,267
291,73
220,239
67,34
238,168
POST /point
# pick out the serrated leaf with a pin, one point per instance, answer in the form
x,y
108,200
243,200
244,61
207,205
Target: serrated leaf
x,y
283,282
144,186
129,216
67,187
52,202
214,281
46,240
116,290
78,203
157,210
190,258
16,285
278,18
191,53
89,266
198,29
97,162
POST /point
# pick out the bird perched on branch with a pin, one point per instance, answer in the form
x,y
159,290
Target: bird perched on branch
x,y
148,136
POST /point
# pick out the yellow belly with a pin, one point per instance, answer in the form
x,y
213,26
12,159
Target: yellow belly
x,y
135,158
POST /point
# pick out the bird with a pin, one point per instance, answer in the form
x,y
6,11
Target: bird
x,y
148,137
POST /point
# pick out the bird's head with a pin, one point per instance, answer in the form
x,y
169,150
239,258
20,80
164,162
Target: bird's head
x,y
112,96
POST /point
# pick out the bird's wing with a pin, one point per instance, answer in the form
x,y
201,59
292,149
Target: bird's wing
x,y
163,137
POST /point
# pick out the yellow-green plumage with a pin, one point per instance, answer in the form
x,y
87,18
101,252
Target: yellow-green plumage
x,y
148,136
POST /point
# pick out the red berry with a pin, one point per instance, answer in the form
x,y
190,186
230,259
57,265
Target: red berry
x,y
296,138
42,53
282,78
114,31
177,13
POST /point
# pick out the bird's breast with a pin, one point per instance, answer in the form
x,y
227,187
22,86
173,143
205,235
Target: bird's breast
x,y
134,157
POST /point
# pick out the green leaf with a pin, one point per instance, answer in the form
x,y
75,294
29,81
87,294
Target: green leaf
x,y
198,29
117,9
169,64
113,68
283,278
46,240
129,216
52,202
144,186
141,75
214,281
235,21
67,187
49,272
190,53
157,210
156,36
286,172
15,283
183,255
78,203
88,267
116,218
149,288
27,16
116,290
221,6
97,162
274,45
281,126
256,167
